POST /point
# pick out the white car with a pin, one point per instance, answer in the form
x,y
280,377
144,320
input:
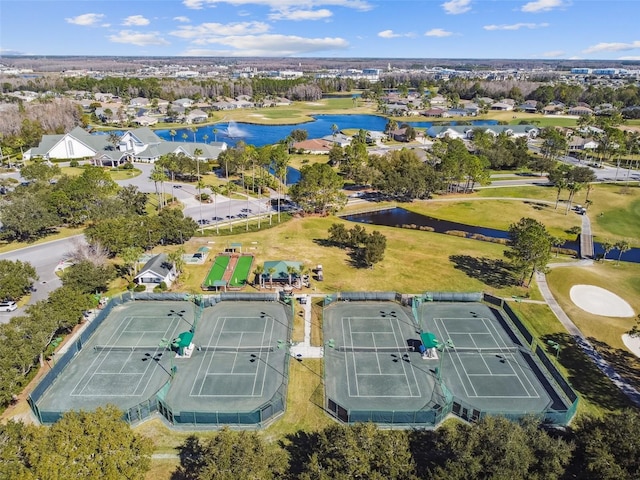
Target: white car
x,y
8,306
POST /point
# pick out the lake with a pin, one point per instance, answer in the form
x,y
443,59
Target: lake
x,y
260,135
396,217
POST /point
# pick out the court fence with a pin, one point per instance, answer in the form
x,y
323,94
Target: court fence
x,y
560,411
156,402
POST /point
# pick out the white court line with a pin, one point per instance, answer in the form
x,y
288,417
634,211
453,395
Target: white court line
x,y
404,367
346,357
537,395
483,360
204,357
437,324
266,361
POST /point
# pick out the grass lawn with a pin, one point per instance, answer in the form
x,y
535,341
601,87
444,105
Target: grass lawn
x,y
483,213
604,332
615,212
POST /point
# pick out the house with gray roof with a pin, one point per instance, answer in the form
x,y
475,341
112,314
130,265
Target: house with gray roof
x,y
157,270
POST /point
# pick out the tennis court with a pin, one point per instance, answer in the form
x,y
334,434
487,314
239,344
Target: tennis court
x,y
372,363
484,363
241,271
239,361
237,372
103,373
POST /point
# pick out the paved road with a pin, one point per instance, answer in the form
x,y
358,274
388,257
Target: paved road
x,y
45,257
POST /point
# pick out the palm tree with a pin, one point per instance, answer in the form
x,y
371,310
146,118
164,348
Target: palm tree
x,y
172,134
271,271
200,185
622,246
215,190
259,270
334,130
158,176
205,137
184,137
607,246
193,130
215,134
291,270
230,188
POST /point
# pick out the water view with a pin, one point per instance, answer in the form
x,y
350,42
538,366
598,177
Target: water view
x,y
396,217
260,135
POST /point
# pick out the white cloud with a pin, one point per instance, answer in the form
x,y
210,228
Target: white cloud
x,y
553,54
135,21
516,26
437,32
283,5
297,15
612,47
456,7
209,32
182,19
270,46
629,58
543,5
138,38
86,20
392,34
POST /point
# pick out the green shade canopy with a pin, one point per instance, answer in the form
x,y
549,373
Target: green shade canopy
x,y
429,340
184,339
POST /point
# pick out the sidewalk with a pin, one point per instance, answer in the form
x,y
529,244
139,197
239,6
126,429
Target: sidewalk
x,y
304,348
586,346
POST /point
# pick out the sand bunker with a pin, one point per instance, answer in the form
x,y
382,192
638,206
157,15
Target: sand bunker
x,y
599,301
632,343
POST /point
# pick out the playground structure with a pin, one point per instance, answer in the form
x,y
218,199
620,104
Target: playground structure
x,y
230,271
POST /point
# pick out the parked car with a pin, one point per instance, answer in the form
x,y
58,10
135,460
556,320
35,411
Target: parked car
x,y
8,306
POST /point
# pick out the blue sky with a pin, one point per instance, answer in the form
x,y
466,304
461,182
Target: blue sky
x,y
537,29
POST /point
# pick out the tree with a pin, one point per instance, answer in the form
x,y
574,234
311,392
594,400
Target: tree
x,y
133,200
87,277
258,271
359,451
605,450
16,279
622,246
177,259
231,455
530,247
97,444
172,134
130,257
559,178
607,245
374,247
159,177
40,172
291,271
26,217
299,135
319,189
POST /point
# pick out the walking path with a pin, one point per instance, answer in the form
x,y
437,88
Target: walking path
x,y
304,348
581,340
586,238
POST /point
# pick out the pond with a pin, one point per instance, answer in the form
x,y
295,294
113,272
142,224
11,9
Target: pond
x,y
396,217
260,135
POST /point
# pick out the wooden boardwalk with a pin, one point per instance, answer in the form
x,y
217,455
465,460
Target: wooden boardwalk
x,y
586,238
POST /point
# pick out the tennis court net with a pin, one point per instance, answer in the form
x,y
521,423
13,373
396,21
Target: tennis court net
x,y
204,348
399,349
494,350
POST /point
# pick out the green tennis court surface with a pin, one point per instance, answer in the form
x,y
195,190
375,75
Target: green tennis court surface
x,y
239,376
392,377
485,365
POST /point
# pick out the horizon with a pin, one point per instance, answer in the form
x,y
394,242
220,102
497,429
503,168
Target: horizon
x,y
537,30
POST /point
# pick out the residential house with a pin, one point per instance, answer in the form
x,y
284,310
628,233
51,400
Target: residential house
x,y
501,106
339,139
196,116
435,112
316,146
577,144
578,110
183,102
157,270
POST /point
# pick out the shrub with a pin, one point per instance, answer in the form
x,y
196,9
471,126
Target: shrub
x,y
163,286
140,288
73,163
457,233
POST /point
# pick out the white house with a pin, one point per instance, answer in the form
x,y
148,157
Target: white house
x,y
157,270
